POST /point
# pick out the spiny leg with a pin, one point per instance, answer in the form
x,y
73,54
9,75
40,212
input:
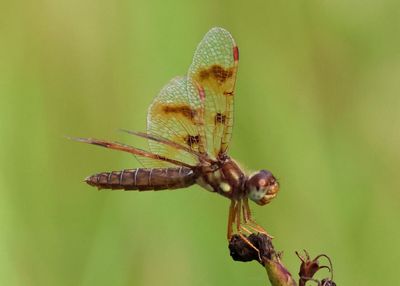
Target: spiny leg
x,y
246,229
249,221
234,217
239,228
245,213
245,220
231,218
240,211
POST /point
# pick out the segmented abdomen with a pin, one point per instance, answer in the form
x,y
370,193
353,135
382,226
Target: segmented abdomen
x,y
144,179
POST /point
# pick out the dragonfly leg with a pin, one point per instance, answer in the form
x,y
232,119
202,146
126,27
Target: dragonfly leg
x,y
250,222
245,229
239,229
231,218
237,209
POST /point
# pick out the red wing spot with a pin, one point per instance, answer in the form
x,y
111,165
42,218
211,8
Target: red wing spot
x,y
235,53
184,110
202,93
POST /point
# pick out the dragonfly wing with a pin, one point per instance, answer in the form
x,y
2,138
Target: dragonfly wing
x,y
174,116
211,78
138,153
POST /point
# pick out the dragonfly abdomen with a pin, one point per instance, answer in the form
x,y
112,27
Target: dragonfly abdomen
x,y
144,179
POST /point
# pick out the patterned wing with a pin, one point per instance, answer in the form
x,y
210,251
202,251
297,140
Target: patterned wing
x,y
212,77
174,116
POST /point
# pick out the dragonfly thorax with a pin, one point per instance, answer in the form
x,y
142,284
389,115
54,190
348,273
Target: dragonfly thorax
x,y
228,179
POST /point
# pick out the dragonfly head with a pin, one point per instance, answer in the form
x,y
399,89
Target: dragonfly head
x,y
262,187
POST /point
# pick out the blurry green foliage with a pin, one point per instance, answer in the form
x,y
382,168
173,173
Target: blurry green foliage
x,y
317,103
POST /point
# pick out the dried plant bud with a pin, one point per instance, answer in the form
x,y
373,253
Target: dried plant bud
x,y
240,250
309,267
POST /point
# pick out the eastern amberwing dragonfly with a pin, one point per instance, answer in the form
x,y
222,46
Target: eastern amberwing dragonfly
x,y
189,127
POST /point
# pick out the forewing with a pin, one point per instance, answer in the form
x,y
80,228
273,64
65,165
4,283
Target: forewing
x,y
174,115
211,78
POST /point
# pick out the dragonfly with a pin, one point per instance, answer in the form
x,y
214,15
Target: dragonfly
x,y
189,128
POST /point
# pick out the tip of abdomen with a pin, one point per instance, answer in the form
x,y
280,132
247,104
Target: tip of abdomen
x,y
90,180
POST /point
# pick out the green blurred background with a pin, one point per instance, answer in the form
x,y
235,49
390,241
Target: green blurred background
x,y
317,103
